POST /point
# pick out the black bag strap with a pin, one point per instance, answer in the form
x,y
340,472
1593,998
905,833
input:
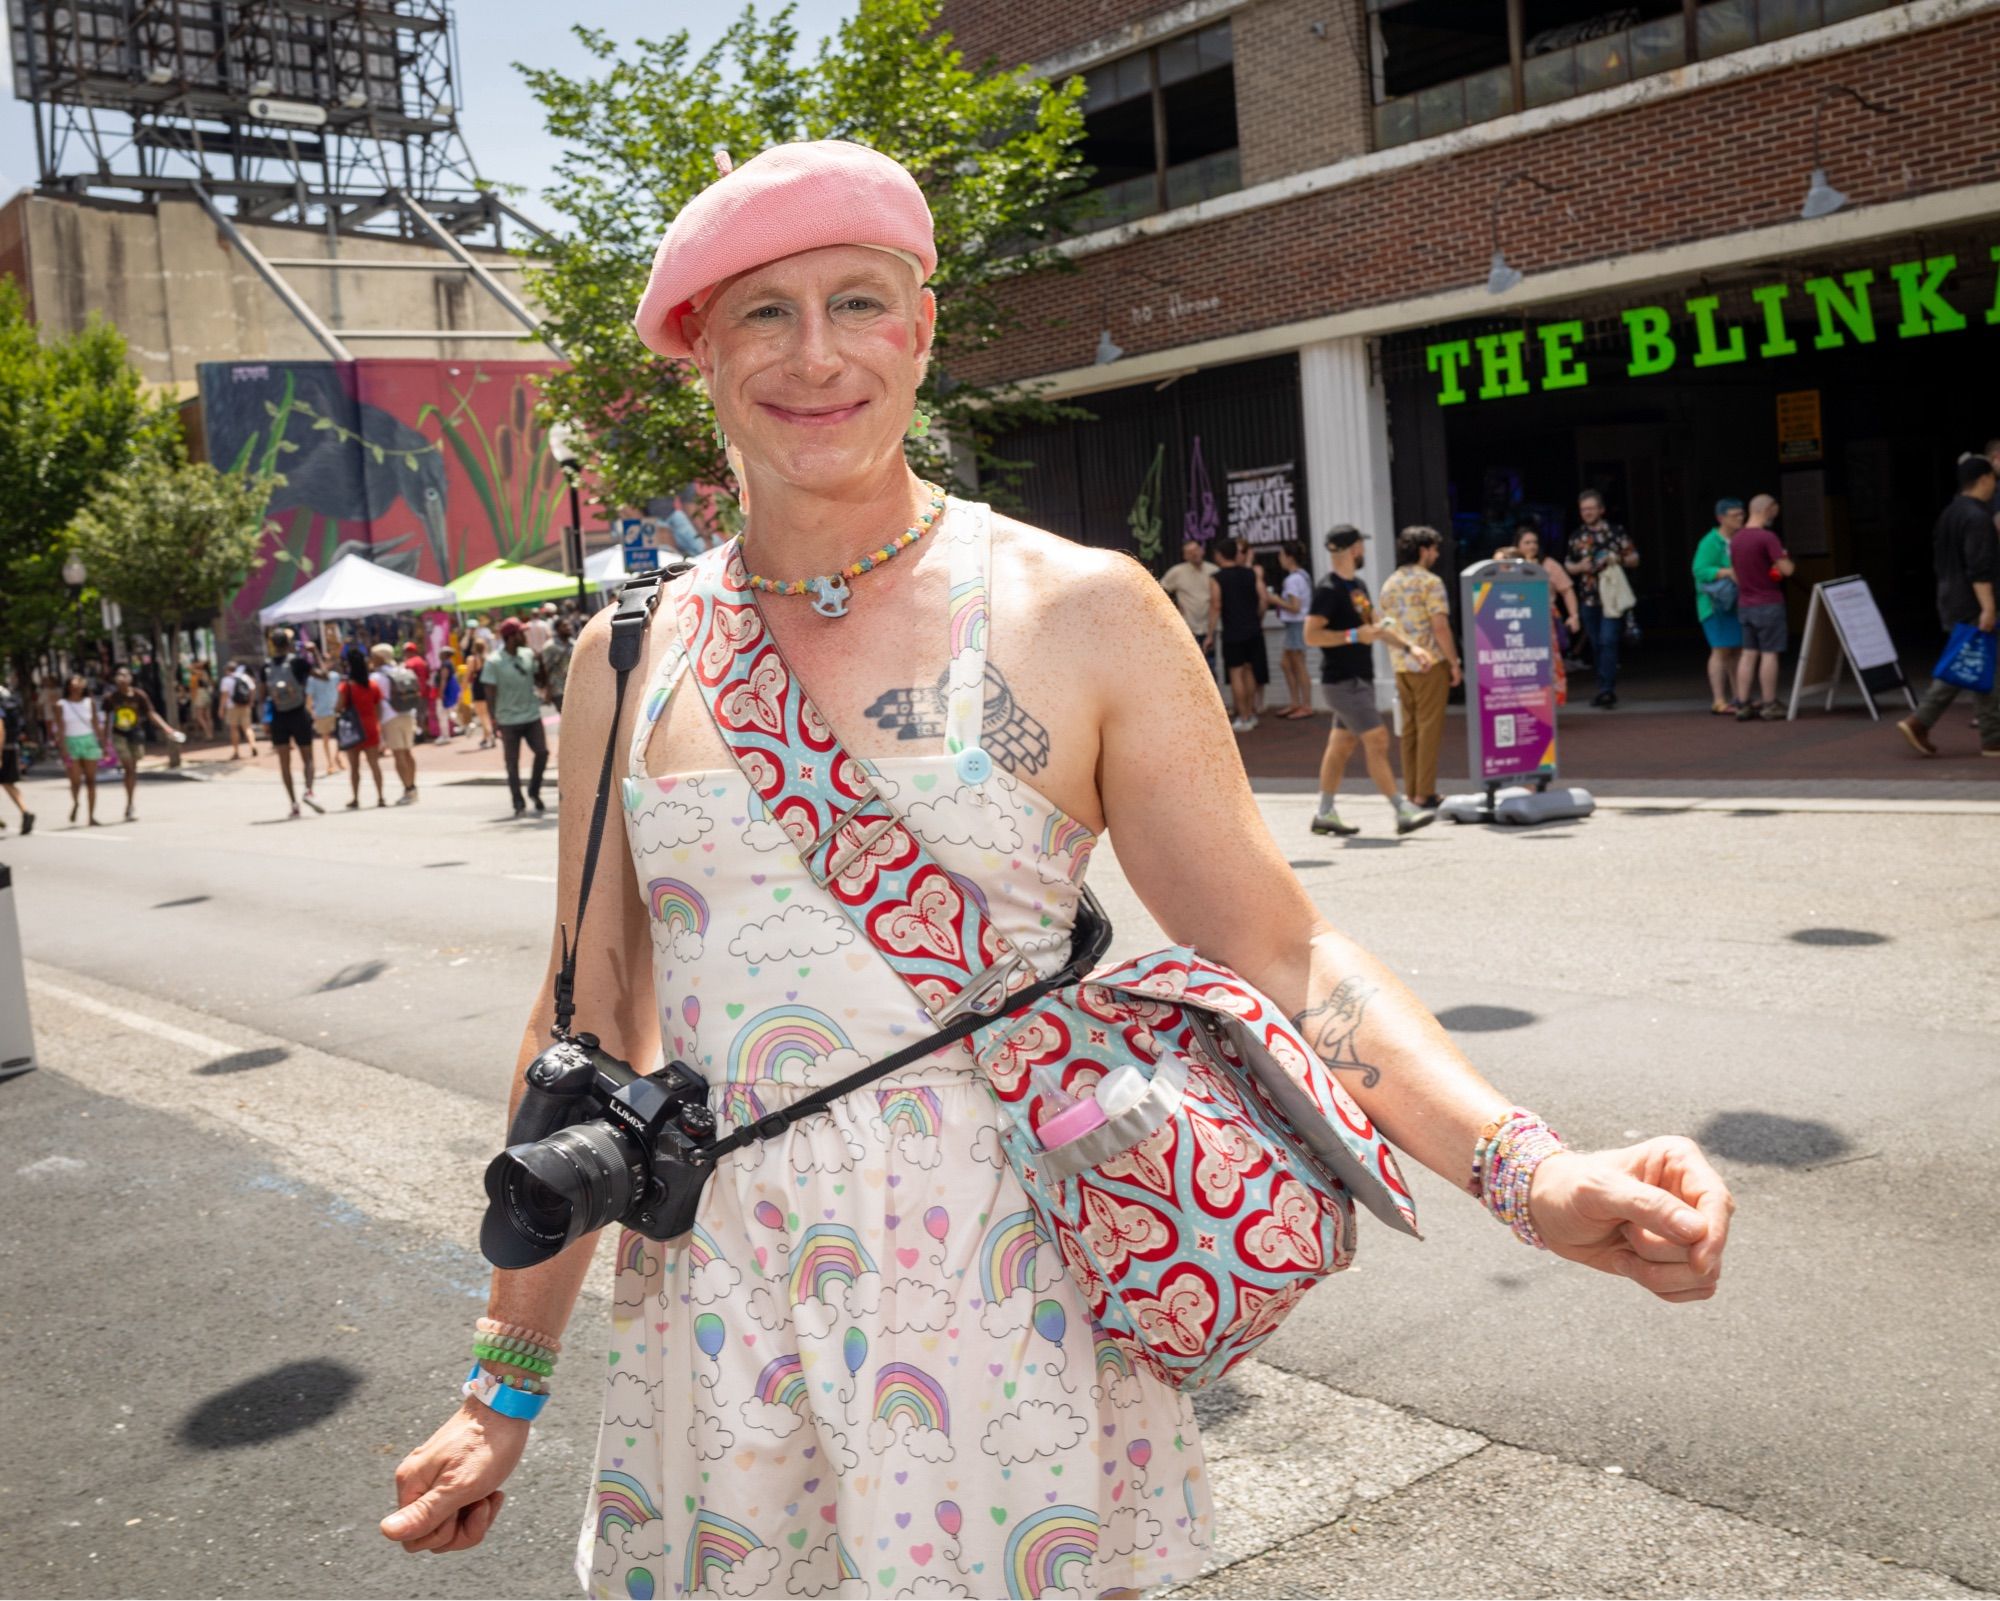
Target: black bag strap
x,y
1092,937
636,599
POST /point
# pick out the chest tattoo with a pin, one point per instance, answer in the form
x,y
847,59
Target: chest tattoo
x,y
1009,734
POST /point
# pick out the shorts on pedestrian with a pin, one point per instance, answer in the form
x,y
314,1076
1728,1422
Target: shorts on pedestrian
x,y
10,765
399,733
82,748
1243,653
294,727
323,726
1352,701
236,717
1724,630
130,750
1295,636
1765,628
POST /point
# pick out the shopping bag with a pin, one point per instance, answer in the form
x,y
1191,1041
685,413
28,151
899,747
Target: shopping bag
x,y
1967,660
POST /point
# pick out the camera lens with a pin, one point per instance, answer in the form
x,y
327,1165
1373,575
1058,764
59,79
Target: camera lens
x,y
557,1190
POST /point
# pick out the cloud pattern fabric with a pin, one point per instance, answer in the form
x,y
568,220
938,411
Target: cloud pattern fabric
x,y
864,1372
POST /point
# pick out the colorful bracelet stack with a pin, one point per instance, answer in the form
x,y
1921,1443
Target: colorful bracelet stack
x,y
527,1354
1510,1148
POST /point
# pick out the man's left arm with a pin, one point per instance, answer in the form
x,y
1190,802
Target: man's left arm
x,y
1626,1211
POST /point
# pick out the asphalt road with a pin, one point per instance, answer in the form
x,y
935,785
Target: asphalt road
x,y
1809,992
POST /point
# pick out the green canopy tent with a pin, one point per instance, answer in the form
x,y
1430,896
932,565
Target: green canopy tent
x,y
509,583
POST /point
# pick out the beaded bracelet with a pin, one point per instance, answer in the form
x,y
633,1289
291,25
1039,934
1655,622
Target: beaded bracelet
x,y
1510,1148
527,1382
487,1325
513,1359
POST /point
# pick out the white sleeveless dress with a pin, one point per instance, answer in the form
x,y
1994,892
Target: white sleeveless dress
x,y
859,1376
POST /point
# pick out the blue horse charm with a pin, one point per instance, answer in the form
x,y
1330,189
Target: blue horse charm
x,y
831,599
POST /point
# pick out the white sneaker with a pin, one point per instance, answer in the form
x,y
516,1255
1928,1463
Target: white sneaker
x,y
315,805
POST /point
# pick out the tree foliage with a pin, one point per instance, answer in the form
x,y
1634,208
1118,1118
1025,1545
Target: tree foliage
x,y
996,154
71,415
168,538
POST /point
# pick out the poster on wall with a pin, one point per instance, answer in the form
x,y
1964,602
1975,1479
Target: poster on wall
x,y
1263,505
1510,684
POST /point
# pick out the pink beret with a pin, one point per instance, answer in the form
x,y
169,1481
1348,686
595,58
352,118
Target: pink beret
x,y
789,198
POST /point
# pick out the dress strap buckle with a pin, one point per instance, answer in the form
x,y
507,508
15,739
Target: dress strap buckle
x,y
838,854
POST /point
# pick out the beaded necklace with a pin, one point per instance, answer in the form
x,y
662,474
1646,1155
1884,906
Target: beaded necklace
x,y
830,591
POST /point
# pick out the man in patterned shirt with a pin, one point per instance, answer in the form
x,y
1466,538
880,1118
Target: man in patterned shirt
x,y
1592,548
1413,598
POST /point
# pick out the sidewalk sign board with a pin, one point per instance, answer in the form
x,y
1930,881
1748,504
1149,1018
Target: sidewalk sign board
x,y
17,1034
1510,684
642,554
1843,624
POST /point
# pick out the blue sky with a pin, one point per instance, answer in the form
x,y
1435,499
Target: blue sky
x,y
501,120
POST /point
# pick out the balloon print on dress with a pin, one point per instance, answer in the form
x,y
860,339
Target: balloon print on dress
x,y
709,1334
937,1224
769,1215
853,1351
951,1520
691,1011
1051,1322
1139,1453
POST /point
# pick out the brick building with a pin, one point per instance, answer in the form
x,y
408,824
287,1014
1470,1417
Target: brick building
x,y
1449,261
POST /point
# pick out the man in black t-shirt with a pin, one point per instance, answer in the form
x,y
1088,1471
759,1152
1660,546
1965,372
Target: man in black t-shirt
x,y
1342,624
13,722
1238,600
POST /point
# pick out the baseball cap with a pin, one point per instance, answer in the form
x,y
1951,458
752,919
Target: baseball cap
x,y
1343,537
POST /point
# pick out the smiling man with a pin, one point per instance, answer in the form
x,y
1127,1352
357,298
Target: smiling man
x,y
863,1334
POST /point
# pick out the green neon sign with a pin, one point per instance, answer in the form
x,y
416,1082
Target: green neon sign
x,y
1851,308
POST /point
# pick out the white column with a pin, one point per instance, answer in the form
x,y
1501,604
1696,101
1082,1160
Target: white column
x,y
1347,465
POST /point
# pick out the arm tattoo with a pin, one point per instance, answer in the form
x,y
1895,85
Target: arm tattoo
x,y
1007,731
1331,1026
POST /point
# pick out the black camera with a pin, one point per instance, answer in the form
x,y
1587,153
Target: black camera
x,y
593,1143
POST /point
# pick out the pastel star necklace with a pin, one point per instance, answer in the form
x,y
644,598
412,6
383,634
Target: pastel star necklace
x,y
830,590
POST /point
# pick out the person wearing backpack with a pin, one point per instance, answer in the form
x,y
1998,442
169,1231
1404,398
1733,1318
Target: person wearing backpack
x,y
239,696
513,676
401,696
286,677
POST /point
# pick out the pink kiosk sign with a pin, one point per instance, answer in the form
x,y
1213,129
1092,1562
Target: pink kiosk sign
x,y
1510,683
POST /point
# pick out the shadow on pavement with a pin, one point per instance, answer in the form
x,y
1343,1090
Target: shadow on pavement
x,y
1768,1140
243,1061
297,1396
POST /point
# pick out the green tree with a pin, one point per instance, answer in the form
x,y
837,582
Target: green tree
x,y
167,539
996,154
71,414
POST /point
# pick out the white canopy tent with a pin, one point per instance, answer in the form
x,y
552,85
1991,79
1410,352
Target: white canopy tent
x,y
354,586
606,569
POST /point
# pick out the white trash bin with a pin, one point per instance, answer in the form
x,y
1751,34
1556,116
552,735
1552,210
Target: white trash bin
x,y
17,1035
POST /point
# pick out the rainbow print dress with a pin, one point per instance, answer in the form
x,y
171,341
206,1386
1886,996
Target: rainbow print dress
x,y
863,1373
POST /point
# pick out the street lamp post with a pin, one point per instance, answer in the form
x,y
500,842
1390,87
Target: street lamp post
x,y
73,575
563,446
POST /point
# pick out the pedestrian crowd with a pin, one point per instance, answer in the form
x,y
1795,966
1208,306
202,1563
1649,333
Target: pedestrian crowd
x,y
325,706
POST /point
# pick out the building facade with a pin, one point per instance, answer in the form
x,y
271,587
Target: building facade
x,y
1452,261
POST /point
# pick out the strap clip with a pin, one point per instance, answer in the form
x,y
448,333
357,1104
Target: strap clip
x,y
839,856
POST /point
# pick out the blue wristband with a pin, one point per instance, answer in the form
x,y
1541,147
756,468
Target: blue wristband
x,y
493,1391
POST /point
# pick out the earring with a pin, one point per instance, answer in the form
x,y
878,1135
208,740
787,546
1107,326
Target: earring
x,y
920,424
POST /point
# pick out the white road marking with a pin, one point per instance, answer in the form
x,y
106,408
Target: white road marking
x,y
97,835
137,1021
531,878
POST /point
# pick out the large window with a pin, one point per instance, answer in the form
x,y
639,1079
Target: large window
x,y
1159,126
1445,64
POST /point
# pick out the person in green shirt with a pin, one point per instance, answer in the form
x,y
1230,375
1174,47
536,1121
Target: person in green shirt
x,y
1719,623
510,675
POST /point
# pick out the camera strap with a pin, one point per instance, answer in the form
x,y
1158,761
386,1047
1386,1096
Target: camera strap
x,y
1093,936
636,599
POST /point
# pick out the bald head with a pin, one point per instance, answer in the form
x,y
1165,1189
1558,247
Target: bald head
x,y
1763,511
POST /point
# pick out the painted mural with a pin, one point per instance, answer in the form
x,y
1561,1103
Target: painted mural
x,y
430,467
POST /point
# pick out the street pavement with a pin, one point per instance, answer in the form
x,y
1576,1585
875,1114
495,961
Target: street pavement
x,y
244,1188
